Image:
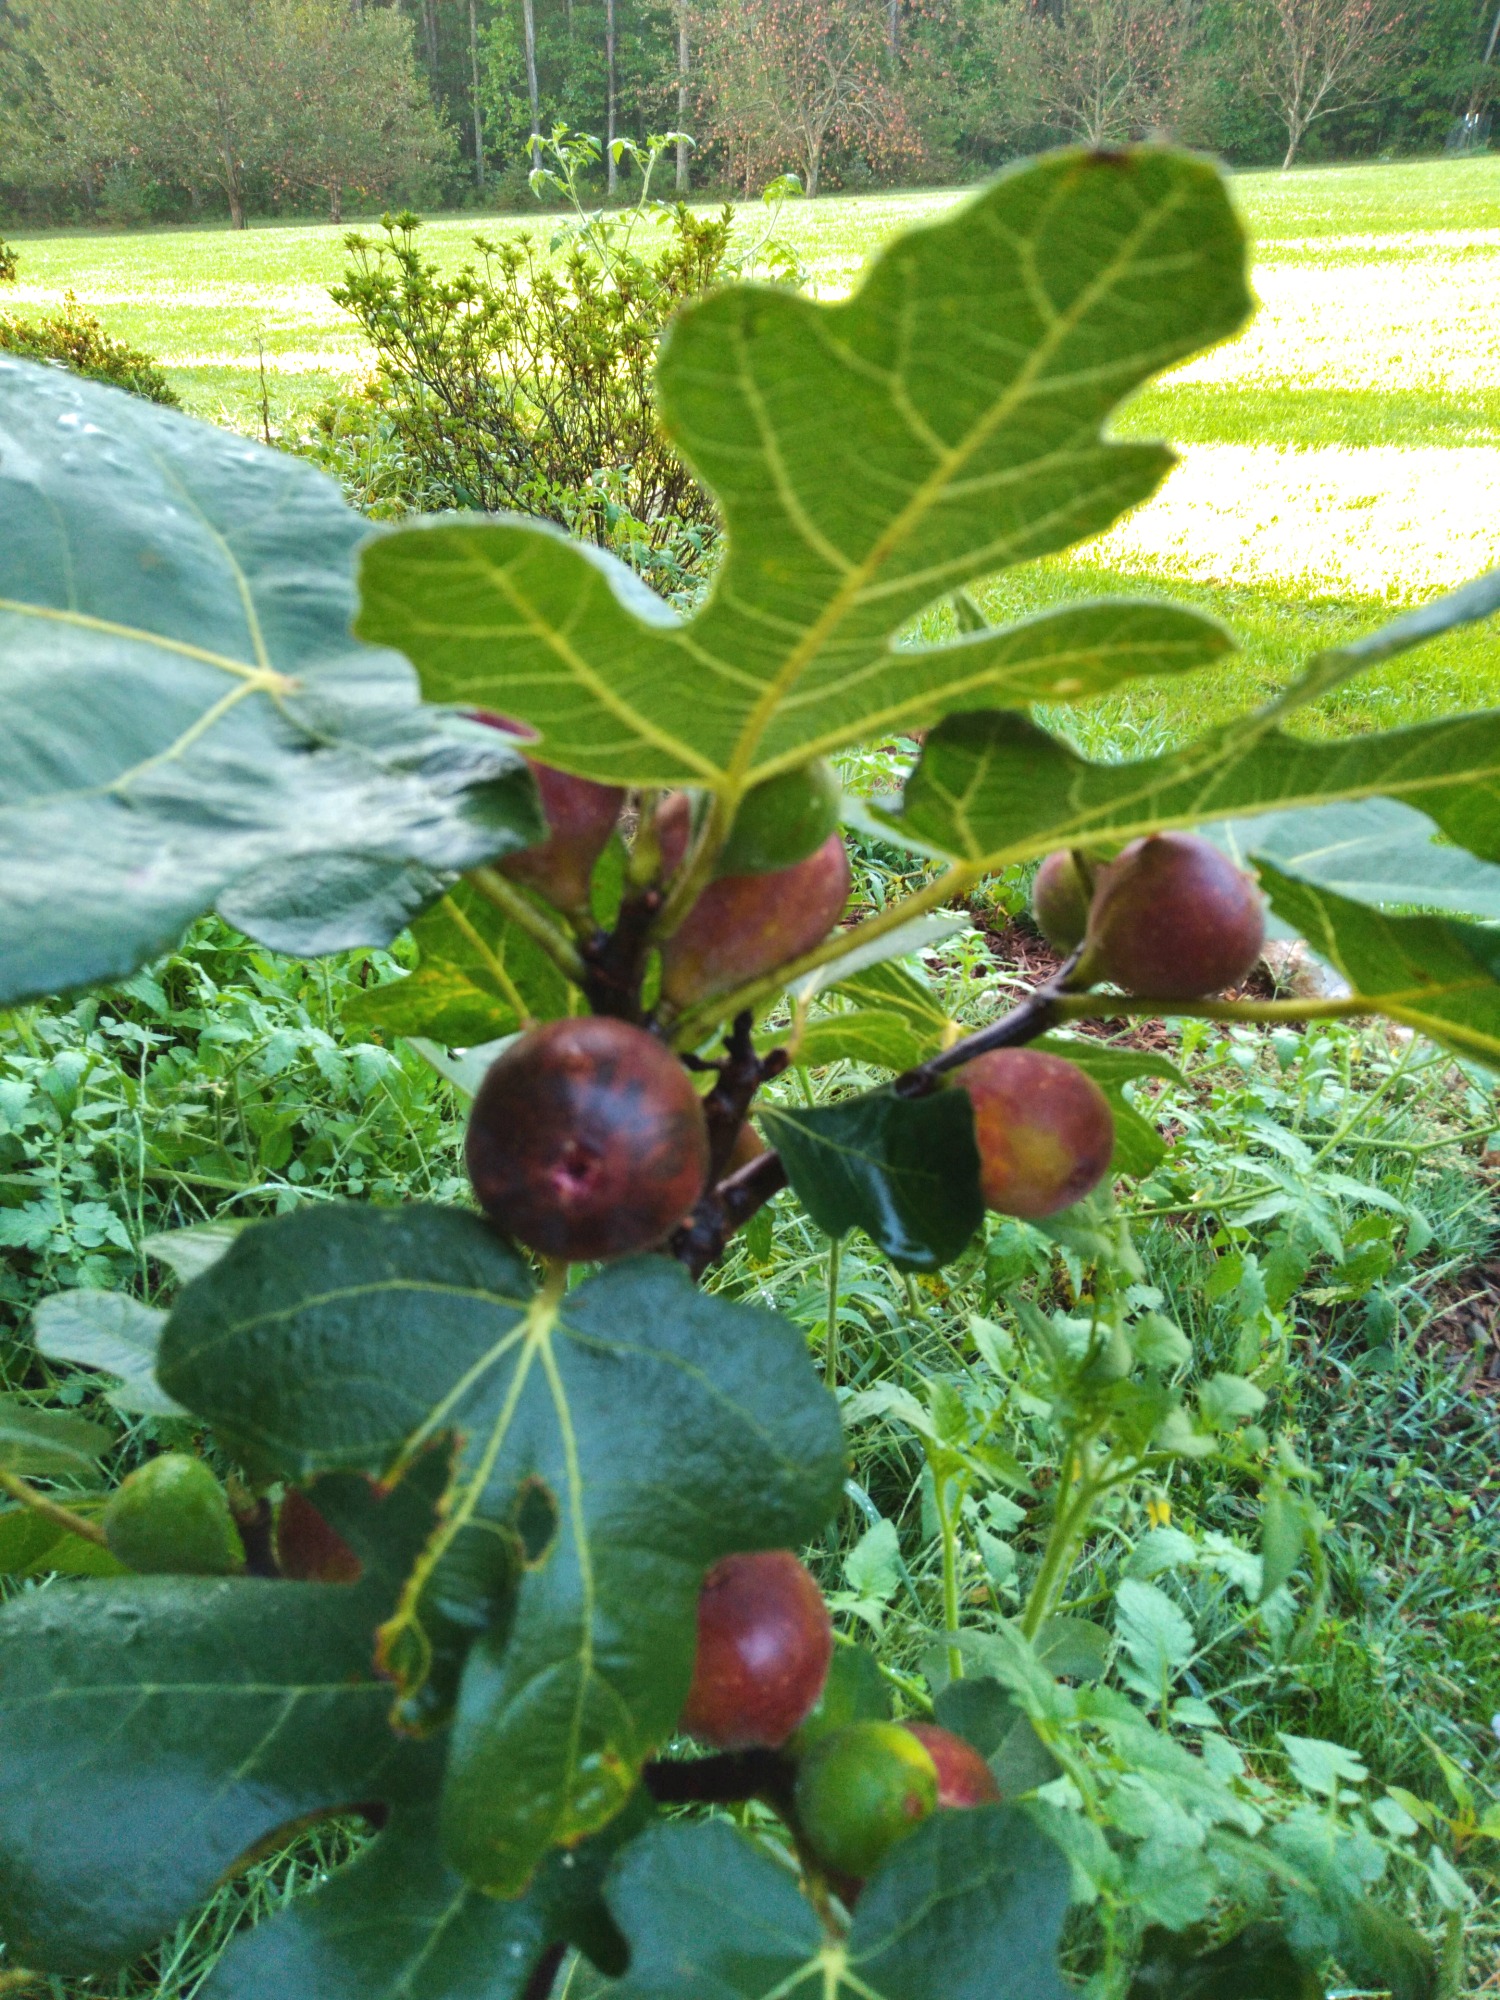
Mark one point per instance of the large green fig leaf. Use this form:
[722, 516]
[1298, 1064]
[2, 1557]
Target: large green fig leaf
[184, 716]
[157, 1728]
[973, 1899]
[870, 458]
[399, 1924]
[110, 1331]
[628, 1433]
[904, 1170]
[1434, 974]
[1370, 850]
[993, 788]
[480, 977]
[49, 1444]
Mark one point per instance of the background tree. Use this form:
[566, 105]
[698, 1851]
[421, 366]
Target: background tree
[1307, 59]
[787, 76]
[1099, 71]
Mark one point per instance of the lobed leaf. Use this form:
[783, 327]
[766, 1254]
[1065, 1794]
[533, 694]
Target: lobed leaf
[476, 977]
[1434, 974]
[981, 1893]
[870, 458]
[48, 1444]
[628, 1434]
[184, 717]
[158, 1728]
[113, 1332]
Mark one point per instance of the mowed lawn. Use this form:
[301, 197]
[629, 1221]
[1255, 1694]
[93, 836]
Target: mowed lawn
[1339, 461]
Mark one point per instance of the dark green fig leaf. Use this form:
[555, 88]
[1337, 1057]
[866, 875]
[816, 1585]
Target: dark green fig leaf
[157, 1729]
[1378, 1945]
[328, 902]
[870, 458]
[1257, 1965]
[183, 714]
[855, 1691]
[982, 1894]
[982, 1712]
[398, 1923]
[479, 977]
[660, 1426]
[905, 1170]
[1370, 850]
[1435, 974]
[46, 1444]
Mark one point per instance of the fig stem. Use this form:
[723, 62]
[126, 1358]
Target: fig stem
[614, 961]
[52, 1510]
[1038, 1012]
[729, 1777]
[726, 1204]
[519, 907]
[701, 1240]
[544, 1972]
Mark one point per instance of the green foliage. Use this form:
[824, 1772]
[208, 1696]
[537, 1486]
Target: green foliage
[8, 263]
[1085, 1529]
[75, 340]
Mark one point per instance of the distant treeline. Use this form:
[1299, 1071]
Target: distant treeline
[137, 110]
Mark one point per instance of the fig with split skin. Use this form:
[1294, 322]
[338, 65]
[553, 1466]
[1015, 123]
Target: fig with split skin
[744, 925]
[587, 1140]
[1173, 918]
[764, 1644]
[1044, 1131]
[170, 1517]
[580, 815]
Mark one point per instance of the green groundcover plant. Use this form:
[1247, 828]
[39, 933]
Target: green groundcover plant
[507, 1566]
[75, 339]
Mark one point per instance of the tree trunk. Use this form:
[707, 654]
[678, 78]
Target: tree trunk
[611, 170]
[682, 94]
[474, 85]
[528, 23]
[430, 37]
[336, 202]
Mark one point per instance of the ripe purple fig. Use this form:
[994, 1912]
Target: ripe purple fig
[1060, 901]
[964, 1779]
[1044, 1131]
[308, 1548]
[764, 1643]
[743, 925]
[587, 1139]
[1174, 919]
[581, 815]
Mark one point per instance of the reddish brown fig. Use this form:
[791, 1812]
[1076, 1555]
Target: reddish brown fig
[674, 828]
[307, 1549]
[964, 1779]
[587, 1140]
[1044, 1131]
[743, 925]
[764, 1643]
[581, 814]
[1174, 919]
[1060, 901]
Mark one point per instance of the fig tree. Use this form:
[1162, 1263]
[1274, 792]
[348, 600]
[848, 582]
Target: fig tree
[170, 1517]
[764, 1643]
[1044, 1131]
[782, 821]
[1060, 901]
[1174, 919]
[963, 1777]
[587, 1139]
[580, 814]
[743, 925]
[859, 1790]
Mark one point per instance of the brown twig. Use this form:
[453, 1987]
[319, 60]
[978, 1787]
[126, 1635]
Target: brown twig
[728, 1202]
[1034, 1016]
[614, 962]
[728, 1778]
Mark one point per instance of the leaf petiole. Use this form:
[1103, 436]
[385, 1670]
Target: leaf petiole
[51, 1510]
[552, 938]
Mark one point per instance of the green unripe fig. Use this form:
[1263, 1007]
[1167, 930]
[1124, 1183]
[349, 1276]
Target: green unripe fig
[1060, 901]
[170, 1517]
[1174, 919]
[1043, 1127]
[782, 821]
[859, 1790]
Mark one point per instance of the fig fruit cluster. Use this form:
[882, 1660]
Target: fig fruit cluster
[761, 1680]
[1170, 918]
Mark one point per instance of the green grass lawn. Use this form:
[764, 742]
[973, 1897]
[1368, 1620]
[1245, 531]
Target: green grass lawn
[1342, 456]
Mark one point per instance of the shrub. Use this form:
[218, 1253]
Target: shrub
[7, 263]
[74, 339]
